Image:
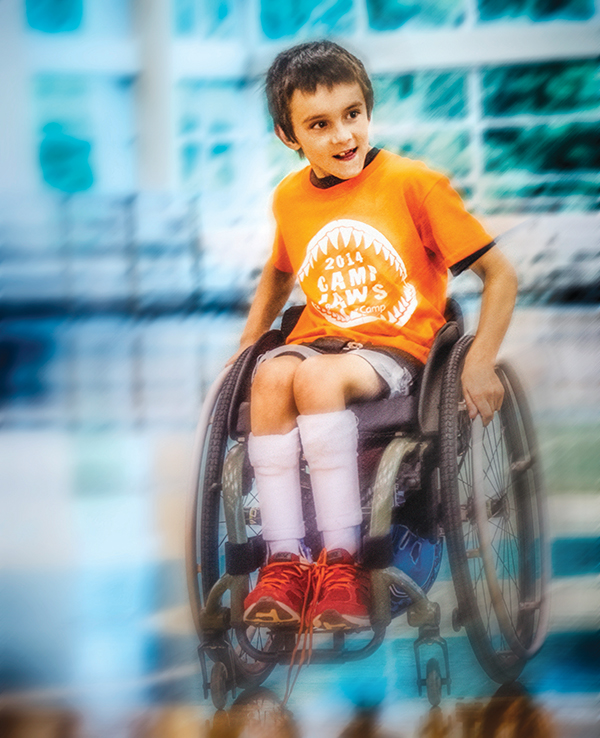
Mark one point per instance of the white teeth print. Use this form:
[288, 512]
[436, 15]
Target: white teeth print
[336, 251]
[346, 233]
[404, 309]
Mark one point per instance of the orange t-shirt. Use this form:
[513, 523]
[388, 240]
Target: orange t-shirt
[372, 253]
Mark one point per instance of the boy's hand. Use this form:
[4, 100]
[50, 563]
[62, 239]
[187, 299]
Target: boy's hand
[482, 390]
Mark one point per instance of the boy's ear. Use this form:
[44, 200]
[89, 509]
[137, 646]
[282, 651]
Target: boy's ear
[294, 145]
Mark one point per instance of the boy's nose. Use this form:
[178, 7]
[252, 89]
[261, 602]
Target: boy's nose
[341, 134]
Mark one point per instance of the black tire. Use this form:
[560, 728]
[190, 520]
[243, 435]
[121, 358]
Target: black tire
[433, 680]
[212, 530]
[212, 471]
[218, 685]
[497, 580]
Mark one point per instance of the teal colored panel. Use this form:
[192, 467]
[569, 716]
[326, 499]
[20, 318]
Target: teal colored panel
[575, 557]
[221, 166]
[386, 15]
[445, 95]
[205, 18]
[569, 196]
[184, 12]
[448, 151]
[285, 18]
[559, 87]
[190, 156]
[64, 160]
[54, 16]
[536, 10]
[216, 12]
[420, 96]
[389, 15]
[543, 148]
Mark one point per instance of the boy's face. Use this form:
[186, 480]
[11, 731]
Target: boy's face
[332, 129]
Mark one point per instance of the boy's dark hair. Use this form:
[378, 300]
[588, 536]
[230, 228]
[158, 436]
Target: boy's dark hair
[305, 66]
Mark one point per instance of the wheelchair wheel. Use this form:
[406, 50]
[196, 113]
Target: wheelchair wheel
[205, 541]
[494, 522]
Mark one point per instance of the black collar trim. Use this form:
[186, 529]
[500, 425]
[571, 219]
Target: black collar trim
[325, 183]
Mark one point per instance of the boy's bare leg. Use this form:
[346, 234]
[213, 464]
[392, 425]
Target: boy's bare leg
[286, 386]
[273, 408]
[329, 382]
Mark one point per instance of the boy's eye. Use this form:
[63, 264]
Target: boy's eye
[354, 113]
[319, 124]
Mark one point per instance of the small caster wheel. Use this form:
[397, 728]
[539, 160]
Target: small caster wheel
[457, 622]
[218, 685]
[434, 682]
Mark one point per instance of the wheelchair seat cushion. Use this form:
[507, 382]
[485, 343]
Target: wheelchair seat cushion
[386, 416]
[380, 417]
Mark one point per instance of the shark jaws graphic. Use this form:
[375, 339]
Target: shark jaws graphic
[352, 236]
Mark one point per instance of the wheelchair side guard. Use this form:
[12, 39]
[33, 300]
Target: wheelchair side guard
[384, 486]
[423, 613]
[378, 541]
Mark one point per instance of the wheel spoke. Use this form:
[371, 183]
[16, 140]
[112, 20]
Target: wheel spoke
[509, 493]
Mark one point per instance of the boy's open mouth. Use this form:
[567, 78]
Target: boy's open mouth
[346, 155]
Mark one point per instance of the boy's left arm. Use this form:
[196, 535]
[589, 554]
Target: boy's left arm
[482, 389]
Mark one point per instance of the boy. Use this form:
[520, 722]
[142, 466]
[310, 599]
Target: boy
[370, 237]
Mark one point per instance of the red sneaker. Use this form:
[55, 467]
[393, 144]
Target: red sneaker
[342, 592]
[282, 587]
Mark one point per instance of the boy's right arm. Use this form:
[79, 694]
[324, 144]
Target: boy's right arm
[272, 293]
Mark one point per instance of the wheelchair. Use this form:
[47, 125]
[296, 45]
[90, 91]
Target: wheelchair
[424, 465]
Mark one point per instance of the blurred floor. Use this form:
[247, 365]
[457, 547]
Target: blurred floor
[97, 425]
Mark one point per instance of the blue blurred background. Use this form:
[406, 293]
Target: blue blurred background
[136, 165]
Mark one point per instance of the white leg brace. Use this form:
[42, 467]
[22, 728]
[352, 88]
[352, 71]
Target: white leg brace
[275, 459]
[330, 442]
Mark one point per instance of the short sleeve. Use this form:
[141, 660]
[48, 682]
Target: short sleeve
[280, 256]
[455, 233]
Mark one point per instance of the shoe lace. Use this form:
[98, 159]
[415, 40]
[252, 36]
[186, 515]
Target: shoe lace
[320, 574]
[282, 573]
[342, 576]
[304, 642]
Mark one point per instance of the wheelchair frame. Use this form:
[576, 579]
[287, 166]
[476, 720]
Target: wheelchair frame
[429, 443]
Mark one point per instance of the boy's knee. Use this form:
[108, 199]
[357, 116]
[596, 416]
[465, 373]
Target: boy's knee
[311, 369]
[317, 373]
[275, 376]
[329, 382]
